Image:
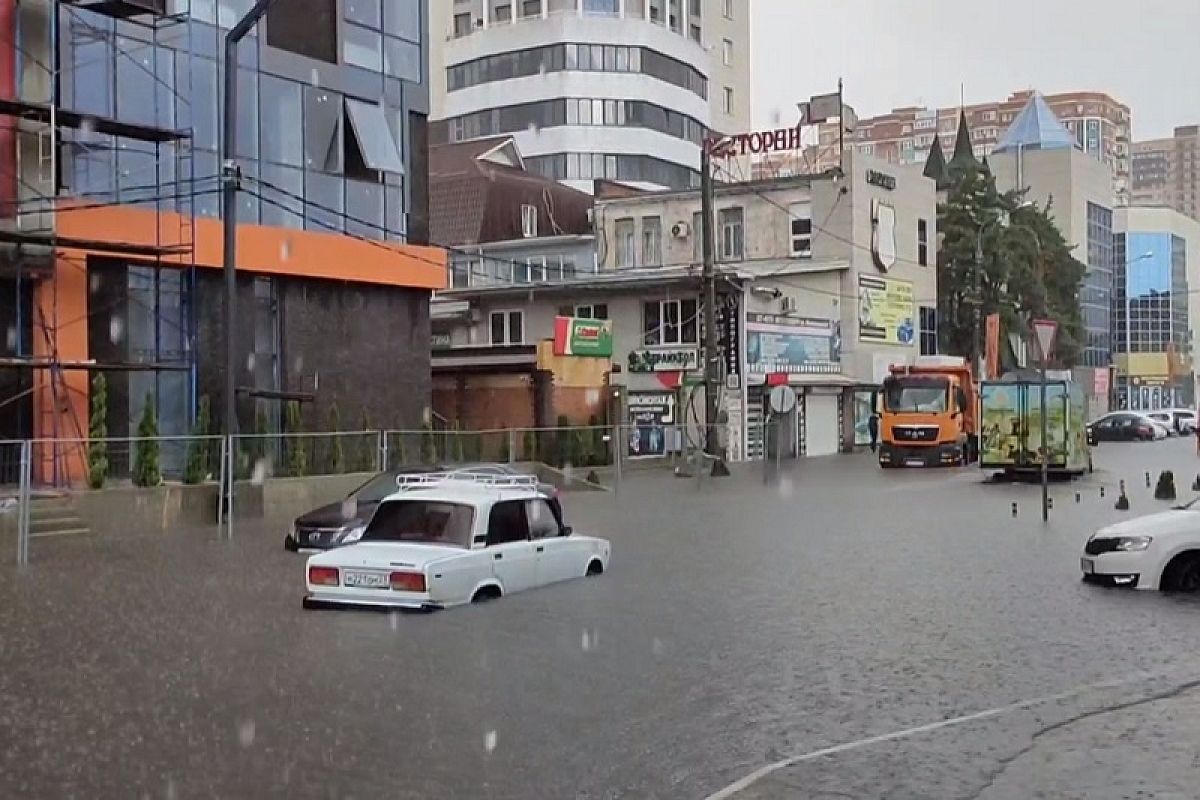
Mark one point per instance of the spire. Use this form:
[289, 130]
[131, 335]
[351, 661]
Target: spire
[964, 152]
[1036, 128]
[935, 165]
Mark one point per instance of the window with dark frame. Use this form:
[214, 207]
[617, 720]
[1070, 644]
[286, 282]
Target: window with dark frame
[801, 230]
[928, 331]
[507, 523]
[593, 311]
[922, 243]
[507, 328]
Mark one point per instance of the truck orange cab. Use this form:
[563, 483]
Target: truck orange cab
[929, 414]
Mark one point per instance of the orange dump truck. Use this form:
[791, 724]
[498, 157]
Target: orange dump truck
[930, 414]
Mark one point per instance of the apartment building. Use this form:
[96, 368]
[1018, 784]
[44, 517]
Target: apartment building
[1166, 172]
[1100, 126]
[620, 90]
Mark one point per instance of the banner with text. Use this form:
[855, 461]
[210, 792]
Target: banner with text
[886, 310]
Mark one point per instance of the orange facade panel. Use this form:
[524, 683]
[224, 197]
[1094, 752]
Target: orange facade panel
[262, 249]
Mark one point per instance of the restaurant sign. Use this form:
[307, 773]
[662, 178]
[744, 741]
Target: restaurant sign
[756, 142]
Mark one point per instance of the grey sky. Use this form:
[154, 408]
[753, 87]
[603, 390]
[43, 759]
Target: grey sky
[893, 53]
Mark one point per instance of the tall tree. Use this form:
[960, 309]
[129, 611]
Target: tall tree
[1001, 255]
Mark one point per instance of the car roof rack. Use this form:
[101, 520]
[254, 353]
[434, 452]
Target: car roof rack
[427, 479]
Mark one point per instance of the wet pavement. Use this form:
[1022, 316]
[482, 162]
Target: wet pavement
[848, 633]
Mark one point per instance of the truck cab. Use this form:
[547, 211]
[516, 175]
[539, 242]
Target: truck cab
[928, 416]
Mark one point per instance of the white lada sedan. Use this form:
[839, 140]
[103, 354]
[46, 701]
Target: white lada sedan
[445, 540]
[1159, 551]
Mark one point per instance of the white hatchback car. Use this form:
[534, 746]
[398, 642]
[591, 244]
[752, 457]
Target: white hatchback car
[448, 539]
[1158, 551]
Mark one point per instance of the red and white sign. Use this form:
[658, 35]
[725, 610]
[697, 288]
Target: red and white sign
[739, 144]
[1101, 383]
[1045, 330]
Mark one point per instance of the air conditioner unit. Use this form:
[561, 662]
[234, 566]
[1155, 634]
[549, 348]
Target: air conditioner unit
[681, 230]
[788, 304]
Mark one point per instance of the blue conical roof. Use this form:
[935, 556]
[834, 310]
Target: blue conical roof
[1035, 128]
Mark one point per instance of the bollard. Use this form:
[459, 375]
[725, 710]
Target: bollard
[1102, 491]
[1122, 503]
[1077, 497]
[1050, 502]
[1147, 480]
[1014, 509]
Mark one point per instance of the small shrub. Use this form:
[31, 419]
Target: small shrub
[196, 470]
[97, 456]
[145, 465]
[297, 452]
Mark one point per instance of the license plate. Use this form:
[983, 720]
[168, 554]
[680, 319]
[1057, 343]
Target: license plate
[365, 580]
[1088, 566]
[914, 462]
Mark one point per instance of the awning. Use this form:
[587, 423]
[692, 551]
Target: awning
[374, 136]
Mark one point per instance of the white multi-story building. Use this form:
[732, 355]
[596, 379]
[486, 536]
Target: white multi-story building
[622, 90]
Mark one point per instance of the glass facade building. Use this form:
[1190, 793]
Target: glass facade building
[1150, 315]
[332, 101]
[1095, 295]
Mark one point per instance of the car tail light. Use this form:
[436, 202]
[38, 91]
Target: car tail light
[1144, 429]
[407, 581]
[324, 576]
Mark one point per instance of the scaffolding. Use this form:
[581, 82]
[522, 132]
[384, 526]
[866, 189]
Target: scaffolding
[34, 252]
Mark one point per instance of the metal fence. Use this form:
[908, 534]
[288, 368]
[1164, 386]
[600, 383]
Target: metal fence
[601, 454]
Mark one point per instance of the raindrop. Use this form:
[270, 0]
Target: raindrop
[285, 250]
[246, 733]
[88, 126]
[776, 116]
[394, 618]
[489, 741]
[94, 282]
[350, 508]
[172, 791]
[568, 472]
[250, 362]
[591, 639]
[261, 471]
[10, 338]
[785, 487]
[592, 397]
[314, 78]
[298, 364]
[656, 646]
[427, 415]
[534, 129]
[116, 327]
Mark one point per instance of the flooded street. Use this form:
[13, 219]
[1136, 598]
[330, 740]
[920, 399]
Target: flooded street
[739, 627]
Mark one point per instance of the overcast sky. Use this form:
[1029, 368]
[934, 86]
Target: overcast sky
[891, 53]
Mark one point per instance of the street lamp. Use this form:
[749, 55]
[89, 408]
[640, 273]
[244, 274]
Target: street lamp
[1129, 330]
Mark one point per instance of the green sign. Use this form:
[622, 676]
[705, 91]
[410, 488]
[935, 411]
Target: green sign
[575, 336]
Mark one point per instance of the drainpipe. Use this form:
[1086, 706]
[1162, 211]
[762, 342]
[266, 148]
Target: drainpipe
[8, 91]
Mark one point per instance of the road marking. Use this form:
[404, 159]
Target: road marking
[744, 783]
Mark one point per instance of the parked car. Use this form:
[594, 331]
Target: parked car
[1124, 426]
[451, 539]
[1158, 551]
[1178, 421]
[343, 522]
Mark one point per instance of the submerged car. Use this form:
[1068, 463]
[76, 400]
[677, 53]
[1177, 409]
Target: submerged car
[1158, 551]
[343, 522]
[451, 539]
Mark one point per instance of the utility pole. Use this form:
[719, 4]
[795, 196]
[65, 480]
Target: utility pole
[711, 357]
[230, 180]
[977, 344]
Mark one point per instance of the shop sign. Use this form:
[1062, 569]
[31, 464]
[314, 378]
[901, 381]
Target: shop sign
[778, 344]
[756, 142]
[575, 336]
[664, 359]
[885, 310]
[728, 338]
[649, 418]
[439, 341]
[881, 179]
